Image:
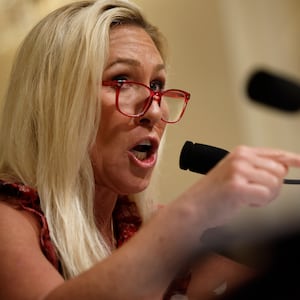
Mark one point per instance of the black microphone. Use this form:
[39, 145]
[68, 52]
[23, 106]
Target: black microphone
[201, 158]
[273, 90]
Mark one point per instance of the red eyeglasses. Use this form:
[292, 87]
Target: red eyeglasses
[133, 99]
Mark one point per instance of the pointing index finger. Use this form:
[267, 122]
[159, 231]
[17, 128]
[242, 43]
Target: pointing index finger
[287, 158]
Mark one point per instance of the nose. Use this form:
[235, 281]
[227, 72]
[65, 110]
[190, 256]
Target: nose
[154, 111]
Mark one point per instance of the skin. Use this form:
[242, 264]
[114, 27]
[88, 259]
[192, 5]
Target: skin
[143, 267]
[130, 48]
[117, 172]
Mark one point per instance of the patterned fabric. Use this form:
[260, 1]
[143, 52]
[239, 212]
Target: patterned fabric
[126, 219]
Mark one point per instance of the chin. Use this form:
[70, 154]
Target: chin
[135, 186]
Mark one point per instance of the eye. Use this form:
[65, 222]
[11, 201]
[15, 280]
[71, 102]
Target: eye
[156, 85]
[120, 78]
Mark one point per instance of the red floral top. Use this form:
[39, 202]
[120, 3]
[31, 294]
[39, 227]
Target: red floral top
[126, 219]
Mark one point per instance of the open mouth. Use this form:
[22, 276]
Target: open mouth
[143, 150]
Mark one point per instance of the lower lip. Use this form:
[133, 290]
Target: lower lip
[147, 163]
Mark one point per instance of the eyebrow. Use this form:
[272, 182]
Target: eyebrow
[132, 62]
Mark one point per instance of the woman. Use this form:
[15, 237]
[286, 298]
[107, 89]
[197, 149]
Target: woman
[82, 122]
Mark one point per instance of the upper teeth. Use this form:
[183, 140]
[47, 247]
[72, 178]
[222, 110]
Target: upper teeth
[145, 143]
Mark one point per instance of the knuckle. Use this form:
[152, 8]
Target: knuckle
[242, 150]
[236, 167]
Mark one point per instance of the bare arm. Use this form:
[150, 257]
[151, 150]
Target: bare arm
[144, 266]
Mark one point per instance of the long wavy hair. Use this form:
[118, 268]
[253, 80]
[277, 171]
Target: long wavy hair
[50, 118]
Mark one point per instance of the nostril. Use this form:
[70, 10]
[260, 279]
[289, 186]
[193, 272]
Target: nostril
[143, 120]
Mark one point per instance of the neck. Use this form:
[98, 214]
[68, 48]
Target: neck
[105, 201]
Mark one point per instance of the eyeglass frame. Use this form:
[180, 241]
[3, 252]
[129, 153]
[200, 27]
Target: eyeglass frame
[118, 84]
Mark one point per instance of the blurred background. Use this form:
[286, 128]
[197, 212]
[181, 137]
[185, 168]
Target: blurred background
[214, 46]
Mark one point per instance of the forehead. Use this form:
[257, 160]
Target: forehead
[133, 42]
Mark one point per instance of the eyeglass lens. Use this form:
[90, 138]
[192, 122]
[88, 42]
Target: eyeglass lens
[134, 99]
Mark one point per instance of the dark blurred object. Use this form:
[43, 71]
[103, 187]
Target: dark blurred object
[274, 91]
[279, 277]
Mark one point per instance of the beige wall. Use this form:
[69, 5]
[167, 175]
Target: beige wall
[265, 33]
[214, 44]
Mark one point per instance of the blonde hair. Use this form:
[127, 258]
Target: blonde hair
[52, 103]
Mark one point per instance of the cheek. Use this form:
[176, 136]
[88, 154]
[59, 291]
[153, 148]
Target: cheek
[109, 121]
[110, 136]
[105, 131]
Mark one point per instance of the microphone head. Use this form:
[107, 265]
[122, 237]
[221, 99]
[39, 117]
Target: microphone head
[274, 91]
[200, 158]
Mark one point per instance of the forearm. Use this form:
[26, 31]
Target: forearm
[144, 266]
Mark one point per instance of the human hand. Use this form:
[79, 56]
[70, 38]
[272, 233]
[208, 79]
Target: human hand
[247, 176]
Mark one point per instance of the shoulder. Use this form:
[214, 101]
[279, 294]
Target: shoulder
[17, 217]
[22, 261]
[14, 221]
